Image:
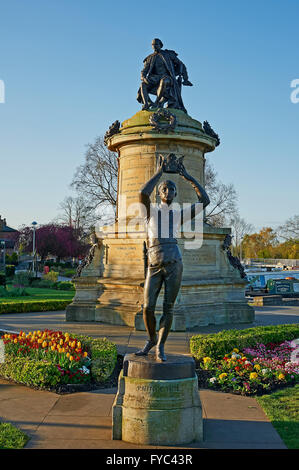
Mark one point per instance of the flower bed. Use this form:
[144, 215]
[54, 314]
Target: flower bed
[52, 358]
[253, 370]
[218, 344]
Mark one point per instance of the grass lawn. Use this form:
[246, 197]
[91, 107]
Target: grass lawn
[282, 408]
[11, 437]
[37, 293]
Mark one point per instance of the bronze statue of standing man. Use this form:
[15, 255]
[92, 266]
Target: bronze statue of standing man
[163, 75]
[164, 258]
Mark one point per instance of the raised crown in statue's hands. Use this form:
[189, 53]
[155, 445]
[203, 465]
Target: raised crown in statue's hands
[170, 163]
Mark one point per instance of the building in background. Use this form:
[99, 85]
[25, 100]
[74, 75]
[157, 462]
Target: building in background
[8, 235]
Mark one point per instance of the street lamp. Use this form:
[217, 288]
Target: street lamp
[33, 248]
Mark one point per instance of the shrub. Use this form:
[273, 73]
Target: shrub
[68, 273]
[51, 276]
[30, 372]
[10, 270]
[23, 278]
[12, 259]
[216, 345]
[2, 279]
[64, 285]
[45, 283]
[33, 306]
[16, 291]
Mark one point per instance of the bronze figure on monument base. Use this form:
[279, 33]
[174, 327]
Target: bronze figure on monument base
[163, 255]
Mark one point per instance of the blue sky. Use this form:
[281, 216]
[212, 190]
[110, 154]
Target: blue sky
[72, 67]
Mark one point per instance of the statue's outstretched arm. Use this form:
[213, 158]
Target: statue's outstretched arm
[147, 189]
[203, 198]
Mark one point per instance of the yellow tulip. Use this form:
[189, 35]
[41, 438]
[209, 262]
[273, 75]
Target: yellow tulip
[71, 358]
[67, 354]
[53, 348]
[15, 340]
[79, 344]
[44, 344]
[222, 376]
[85, 354]
[206, 360]
[61, 342]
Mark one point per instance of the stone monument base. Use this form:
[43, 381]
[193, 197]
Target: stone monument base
[157, 403]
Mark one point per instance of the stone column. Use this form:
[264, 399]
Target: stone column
[212, 291]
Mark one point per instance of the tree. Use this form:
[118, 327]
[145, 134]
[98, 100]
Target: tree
[290, 229]
[56, 240]
[96, 179]
[223, 198]
[77, 213]
[239, 228]
[260, 245]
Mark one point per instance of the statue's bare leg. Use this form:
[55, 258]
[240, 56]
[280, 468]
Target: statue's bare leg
[172, 283]
[152, 287]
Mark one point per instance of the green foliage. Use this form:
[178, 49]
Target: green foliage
[43, 283]
[103, 356]
[34, 306]
[216, 345]
[12, 437]
[13, 292]
[23, 278]
[64, 285]
[2, 279]
[30, 372]
[282, 409]
[10, 270]
[12, 259]
[51, 276]
[68, 272]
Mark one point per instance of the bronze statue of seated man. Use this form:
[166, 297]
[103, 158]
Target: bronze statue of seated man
[158, 77]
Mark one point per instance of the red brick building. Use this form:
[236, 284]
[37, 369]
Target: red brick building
[8, 235]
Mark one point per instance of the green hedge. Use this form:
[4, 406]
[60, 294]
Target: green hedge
[33, 306]
[218, 344]
[30, 372]
[103, 356]
[10, 270]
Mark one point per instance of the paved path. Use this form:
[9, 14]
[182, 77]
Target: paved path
[127, 339]
[83, 420]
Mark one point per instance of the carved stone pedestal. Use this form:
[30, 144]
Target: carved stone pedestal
[157, 403]
[111, 289]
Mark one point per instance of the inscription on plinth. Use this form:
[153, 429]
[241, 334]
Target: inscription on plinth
[157, 411]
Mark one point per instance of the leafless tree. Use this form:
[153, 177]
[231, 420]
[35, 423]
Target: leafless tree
[77, 213]
[96, 179]
[223, 198]
[96, 182]
[290, 229]
[240, 228]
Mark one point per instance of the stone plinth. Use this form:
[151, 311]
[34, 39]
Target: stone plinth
[157, 403]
